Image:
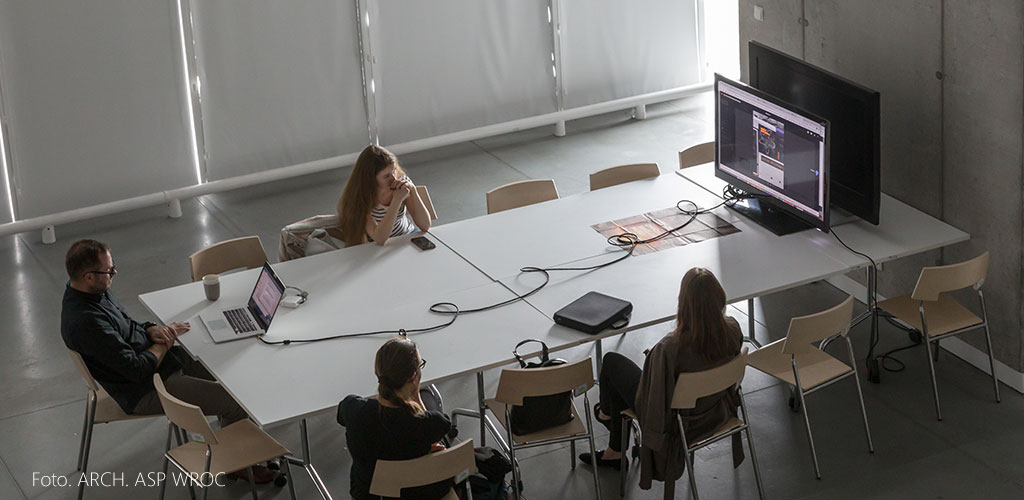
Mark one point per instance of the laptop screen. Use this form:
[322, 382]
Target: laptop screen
[266, 296]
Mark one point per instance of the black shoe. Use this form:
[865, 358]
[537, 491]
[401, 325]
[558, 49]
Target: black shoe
[601, 462]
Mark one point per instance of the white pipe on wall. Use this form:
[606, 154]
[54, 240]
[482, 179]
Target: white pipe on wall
[163, 197]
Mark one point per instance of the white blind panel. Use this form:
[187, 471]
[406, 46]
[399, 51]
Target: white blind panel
[450, 65]
[94, 93]
[613, 49]
[281, 83]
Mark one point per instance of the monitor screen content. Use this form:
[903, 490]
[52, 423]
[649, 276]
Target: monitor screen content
[767, 148]
[266, 297]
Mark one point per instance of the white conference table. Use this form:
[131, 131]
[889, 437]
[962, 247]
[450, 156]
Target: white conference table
[364, 288]
[557, 232]
[477, 263]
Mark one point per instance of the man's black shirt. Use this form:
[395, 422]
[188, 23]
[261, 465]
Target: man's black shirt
[113, 345]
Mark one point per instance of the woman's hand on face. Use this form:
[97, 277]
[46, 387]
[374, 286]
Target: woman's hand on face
[401, 193]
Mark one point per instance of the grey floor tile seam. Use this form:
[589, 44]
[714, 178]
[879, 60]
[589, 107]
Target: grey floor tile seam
[7, 470]
[37, 410]
[219, 215]
[496, 157]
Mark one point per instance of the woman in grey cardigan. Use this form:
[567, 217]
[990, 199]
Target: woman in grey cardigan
[702, 339]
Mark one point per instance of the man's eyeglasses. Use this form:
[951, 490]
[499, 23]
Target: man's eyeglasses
[111, 272]
[423, 363]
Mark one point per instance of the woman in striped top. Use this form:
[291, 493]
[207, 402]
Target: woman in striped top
[378, 200]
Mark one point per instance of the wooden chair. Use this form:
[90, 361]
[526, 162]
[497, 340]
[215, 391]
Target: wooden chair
[520, 194]
[246, 252]
[689, 388]
[697, 155]
[425, 197]
[807, 368]
[235, 447]
[937, 315]
[516, 384]
[457, 463]
[100, 408]
[622, 174]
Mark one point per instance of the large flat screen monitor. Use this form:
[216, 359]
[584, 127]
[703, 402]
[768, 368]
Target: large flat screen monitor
[771, 149]
[853, 113]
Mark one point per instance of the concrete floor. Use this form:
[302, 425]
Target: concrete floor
[974, 453]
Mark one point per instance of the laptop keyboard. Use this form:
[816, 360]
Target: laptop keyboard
[240, 321]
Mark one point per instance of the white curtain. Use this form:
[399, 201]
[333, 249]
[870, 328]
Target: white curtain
[94, 93]
[281, 83]
[613, 49]
[449, 65]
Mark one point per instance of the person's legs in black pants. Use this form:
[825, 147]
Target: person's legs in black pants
[619, 380]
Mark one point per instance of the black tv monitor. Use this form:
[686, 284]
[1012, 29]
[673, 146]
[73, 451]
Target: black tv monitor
[853, 112]
[779, 153]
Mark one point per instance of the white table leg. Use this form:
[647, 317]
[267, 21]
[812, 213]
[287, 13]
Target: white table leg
[307, 464]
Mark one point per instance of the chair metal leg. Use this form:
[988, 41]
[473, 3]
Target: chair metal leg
[750, 444]
[593, 449]
[482, 407]
[88, 446]
[623, 447]
[992, 362]
[288, 474]
[572, 455]
[860, 394]
[167, 448]
[85, 427]
[935, 353]
[807, 418]
[516, 479]
[931, 368]
[252, 484]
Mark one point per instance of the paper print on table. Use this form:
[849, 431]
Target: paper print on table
[651, 224]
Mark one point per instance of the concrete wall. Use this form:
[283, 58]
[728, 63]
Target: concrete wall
[953, 146]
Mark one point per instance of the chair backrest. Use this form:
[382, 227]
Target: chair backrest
[517, 383]
[83, 370]
[520, 194]
[390, 476]
[613, 176]
[425, 197]
[246, 252]
[935, 280]
[295, 236]
[804, 330]
[184, 415]
[697, 155]
[694, 385]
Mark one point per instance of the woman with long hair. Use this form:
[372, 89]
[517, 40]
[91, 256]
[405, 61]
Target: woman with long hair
[704, 337]
[394, 425]
[378, 200]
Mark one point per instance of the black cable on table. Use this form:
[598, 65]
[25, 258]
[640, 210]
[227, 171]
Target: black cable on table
[625, 240]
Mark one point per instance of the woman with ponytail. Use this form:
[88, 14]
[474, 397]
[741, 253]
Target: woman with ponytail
[394, 425]
[704, 337]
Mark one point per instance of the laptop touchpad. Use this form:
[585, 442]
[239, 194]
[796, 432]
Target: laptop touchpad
[218, 324]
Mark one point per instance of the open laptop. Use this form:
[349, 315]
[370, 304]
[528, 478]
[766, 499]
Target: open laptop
[251, 319]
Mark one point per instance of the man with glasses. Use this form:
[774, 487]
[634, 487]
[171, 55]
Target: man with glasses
[123, 354]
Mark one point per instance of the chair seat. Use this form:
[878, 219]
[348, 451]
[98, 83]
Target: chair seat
[573, 428]
[107, 410]
[816, 367]
[729, 425]
[241, 444]
[943, 316]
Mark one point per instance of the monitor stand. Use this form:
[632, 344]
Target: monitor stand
[771, 218]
